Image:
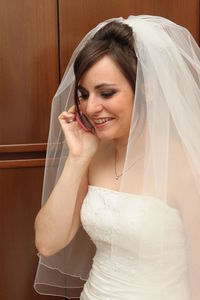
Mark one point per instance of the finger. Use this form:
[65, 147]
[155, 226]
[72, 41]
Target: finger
[72, 109]
[67, 117]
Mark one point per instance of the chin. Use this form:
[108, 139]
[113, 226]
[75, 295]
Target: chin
[107, 135]
[104, 137]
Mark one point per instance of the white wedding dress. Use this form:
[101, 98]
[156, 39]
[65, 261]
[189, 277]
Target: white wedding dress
[125, 276]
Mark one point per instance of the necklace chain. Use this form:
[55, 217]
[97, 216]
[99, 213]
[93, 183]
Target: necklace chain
[118, 176]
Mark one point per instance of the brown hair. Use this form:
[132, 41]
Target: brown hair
[114, 39]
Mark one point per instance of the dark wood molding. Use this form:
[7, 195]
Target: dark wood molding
[28, 153]
[22, 163]
[18, 148]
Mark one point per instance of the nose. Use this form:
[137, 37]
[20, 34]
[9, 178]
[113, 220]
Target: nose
[93, 106]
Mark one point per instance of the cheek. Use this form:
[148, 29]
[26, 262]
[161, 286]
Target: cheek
[82, 106]
[127, 107]
[127, 112]
[130, 104]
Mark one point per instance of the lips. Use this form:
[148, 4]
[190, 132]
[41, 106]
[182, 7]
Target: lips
[102, 123]
[102, 120]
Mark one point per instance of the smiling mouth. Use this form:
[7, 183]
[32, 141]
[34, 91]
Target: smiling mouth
[102, 121]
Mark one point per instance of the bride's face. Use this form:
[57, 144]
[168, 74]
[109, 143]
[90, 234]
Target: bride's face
[106, 97]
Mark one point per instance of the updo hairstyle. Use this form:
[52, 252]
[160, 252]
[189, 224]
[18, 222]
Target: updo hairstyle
[114, 39]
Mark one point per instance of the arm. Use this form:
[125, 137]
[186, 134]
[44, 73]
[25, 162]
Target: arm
[59, 218]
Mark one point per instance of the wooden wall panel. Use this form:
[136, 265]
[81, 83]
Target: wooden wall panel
[77, 17]
[29, 69]
[29, 72]
[20, 196]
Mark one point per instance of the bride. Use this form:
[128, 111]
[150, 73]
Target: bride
[121, 197]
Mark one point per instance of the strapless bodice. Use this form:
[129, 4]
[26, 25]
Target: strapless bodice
[126, 230]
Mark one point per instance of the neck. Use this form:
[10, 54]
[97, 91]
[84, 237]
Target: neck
[120, 149]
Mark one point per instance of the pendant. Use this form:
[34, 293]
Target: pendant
[117, 177]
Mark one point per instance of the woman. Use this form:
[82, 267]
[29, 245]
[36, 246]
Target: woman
[126, 170]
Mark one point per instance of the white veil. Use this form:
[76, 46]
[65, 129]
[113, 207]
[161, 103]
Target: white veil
[165, 128]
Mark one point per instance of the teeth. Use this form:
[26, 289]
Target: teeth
[101, 121]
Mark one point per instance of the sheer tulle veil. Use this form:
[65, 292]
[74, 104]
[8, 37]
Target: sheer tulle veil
[165, 129]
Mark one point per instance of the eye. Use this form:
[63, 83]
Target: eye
[82, 95]
[108, 94]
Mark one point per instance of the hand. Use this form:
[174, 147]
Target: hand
[81, 143]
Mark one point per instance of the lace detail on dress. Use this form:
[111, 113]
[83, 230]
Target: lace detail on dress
[125, 229]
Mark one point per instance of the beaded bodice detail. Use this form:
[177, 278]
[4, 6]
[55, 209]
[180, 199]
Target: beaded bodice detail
[127, 260]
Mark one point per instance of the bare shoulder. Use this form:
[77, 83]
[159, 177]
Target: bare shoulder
[188, 203]
[181, 185]
[189, 206]
[189, 199]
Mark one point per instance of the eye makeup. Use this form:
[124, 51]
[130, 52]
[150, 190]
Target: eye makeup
[82, 93]
[105, 91]
[108, 94]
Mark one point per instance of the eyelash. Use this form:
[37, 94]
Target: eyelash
[105, 95]
[82, 96]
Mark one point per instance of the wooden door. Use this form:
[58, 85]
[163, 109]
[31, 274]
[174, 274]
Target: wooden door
[37, 40]
[29, 72]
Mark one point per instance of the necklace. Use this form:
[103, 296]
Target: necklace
[118, 176]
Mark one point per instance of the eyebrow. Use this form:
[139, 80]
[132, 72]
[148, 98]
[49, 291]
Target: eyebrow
[104, 85]
[98, 86]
